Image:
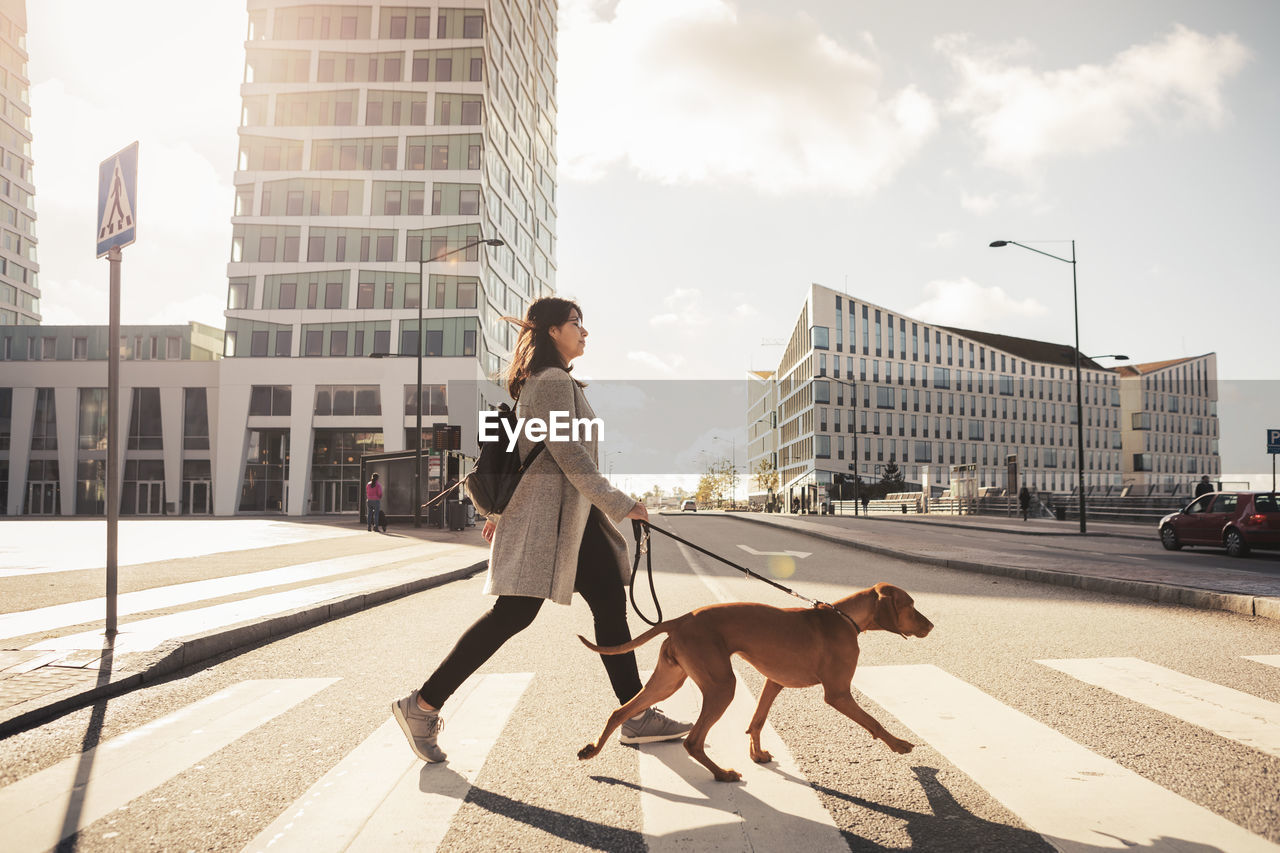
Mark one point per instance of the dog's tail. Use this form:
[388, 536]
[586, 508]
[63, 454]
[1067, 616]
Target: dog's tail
[660, 628]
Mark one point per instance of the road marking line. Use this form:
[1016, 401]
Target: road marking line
[1228, 713]
[800, 555]
[713, 582]
[56, 616]
[1077, 799]
[39, 811]
[1269, 660]
[772, 808]
[147, 634]
[382, 797]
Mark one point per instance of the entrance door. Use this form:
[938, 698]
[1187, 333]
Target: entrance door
[150, 497]
[328, 496]
[42, 497]
[197, 498]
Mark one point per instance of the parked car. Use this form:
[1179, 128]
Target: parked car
[689, 506]
[1237, 521]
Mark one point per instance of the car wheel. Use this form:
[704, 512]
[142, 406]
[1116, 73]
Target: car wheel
[1236, 546]
[1169, 538]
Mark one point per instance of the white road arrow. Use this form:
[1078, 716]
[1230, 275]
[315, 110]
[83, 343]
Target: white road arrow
[799, 555]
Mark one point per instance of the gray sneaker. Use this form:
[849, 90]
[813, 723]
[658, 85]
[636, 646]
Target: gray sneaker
[420, 727]
[653, 726]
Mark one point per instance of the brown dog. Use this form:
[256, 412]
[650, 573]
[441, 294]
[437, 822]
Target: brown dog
[791, 647]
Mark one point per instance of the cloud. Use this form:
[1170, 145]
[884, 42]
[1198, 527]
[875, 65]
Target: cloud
[1023, 116]
[684, 309]
[968, 304]
[944, 240]
[692, 92]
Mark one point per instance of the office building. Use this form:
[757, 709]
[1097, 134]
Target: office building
[19, 271]
[860, 385]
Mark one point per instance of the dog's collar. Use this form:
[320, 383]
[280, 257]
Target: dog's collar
[818, 605]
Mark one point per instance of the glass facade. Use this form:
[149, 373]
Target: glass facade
[266, 471]
[335, 468]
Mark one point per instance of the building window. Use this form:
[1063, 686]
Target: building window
[333, 294]
[288, 294]
[173, 347]
[338, 342]
[284, 342]
[269, 400]
[347, 400]
[195, 419]
[44, 433]
[258, 344]
[145, 427]
[93, 419]
[80, 348]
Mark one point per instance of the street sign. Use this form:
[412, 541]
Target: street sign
[118, 200]
[1273, 441]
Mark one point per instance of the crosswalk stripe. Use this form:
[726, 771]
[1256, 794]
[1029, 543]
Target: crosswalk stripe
[39, 811]
[56, 616]
[685, 809]
[382, 797]
[147, 634]
[1228, 713]
[1077, 799]
[1269, 660]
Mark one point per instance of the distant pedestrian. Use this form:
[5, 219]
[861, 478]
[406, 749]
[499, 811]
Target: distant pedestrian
[373, 495]
[1204, 487]
[866, 501]
[1024, 502]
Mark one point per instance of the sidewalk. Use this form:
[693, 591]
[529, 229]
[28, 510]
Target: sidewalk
[211, 597]
[1253, 593]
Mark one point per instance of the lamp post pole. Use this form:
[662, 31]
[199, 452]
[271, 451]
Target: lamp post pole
[1075, 307]
[422, 295]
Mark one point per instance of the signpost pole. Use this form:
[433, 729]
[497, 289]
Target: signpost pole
[114, 455]
[117, 228]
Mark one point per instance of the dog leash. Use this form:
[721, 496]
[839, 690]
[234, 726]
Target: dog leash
[641, 529]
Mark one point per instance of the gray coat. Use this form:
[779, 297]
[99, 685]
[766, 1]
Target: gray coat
[535, 546]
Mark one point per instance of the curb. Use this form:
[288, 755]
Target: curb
[200, 647]
[891, 517]
[1203, 599]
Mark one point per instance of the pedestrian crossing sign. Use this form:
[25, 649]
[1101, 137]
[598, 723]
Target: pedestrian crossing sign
[118, 200]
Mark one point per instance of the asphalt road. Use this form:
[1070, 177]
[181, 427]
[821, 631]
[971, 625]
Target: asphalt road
[530, 792]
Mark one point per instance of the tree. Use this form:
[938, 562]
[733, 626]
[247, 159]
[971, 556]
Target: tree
[891, 480]
[706, 490]
[766, 476]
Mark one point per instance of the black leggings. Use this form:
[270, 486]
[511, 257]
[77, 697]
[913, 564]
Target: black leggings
[597, 581]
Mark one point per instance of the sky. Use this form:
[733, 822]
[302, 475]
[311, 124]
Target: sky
[718, 156]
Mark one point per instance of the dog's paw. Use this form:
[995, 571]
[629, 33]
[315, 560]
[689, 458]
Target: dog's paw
[728, 776]
[588, 751]
[762, 756]
[901, 746]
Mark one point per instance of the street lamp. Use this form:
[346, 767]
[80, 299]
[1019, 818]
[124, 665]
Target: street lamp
[1075, 306]
[422, 295]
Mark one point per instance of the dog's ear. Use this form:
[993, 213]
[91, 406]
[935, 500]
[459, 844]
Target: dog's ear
[886, 607]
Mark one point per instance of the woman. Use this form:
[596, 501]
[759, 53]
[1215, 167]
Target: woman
[556, 536]
[373, 496]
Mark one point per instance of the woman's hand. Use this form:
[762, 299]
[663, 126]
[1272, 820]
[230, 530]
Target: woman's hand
[639, 512]
[489, 528]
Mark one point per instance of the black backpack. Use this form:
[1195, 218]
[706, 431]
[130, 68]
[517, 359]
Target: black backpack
[498, 470]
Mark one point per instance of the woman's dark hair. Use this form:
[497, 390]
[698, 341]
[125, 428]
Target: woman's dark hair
[534, 348]
[373, 479]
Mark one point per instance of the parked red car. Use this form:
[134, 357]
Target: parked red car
[1237, 521]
